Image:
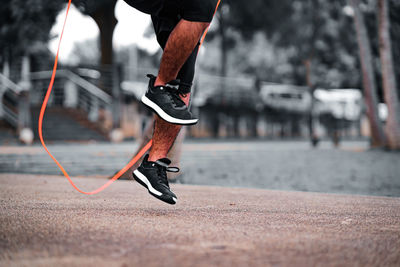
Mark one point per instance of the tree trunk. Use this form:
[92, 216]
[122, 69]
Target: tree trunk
[316, 26]
[311, 119]
[369, 83]
[223, 47]
[389, 81]
[106, 21]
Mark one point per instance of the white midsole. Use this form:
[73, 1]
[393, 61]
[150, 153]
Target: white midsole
[143, 178]
[164, 115]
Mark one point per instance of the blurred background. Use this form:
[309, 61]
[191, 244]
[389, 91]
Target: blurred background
[295, 95]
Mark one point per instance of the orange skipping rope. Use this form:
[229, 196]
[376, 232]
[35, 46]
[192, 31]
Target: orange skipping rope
[43, 109]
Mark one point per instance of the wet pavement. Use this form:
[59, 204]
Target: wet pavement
[278, 165]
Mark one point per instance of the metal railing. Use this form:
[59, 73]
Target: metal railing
[10, 94]
[70, 90]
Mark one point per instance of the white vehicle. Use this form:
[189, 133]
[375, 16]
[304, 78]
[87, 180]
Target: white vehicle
[341, 103]
[291, 98]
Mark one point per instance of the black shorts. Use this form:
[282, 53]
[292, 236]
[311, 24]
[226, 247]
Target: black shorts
[166, 14]
[191, 10]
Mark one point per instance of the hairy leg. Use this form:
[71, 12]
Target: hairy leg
[180, 45]
[185, 75]
[164, 135]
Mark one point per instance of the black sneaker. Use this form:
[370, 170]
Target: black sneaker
[165, 101]
[153, 176]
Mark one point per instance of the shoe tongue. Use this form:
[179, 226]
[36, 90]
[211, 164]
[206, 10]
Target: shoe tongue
[163, 162]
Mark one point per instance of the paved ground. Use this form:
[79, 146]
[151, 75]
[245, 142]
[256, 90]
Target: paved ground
[44, 222]
[281, 165]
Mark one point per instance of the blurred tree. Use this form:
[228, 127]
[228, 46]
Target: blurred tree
[102, 12]
[222, 16]
[223, 33]
[318, 35]
[388, 77]
[394, 17]
[369, 82]
[238, 15]
[314, 33]
[25, 26]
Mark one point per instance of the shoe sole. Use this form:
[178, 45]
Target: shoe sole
[164, 115]
[141, 179]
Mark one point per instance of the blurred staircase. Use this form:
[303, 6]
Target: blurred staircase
[66, 124]
[75, 109]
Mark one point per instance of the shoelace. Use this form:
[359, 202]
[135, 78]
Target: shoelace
[173, 93]
[162, 172]
[175, 96]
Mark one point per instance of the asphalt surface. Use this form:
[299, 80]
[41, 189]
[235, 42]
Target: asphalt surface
[44, 222]
[278, 165]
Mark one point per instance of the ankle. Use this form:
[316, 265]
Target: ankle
[159, 81]
[154, 158]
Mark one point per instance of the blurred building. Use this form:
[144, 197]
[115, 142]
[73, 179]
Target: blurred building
[238, 107]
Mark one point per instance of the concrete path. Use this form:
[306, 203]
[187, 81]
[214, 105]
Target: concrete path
[44, 222]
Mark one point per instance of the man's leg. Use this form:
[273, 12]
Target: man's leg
[180, 45]
[160, 98]
[165, 133]
[162, 146]
[194, 16]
